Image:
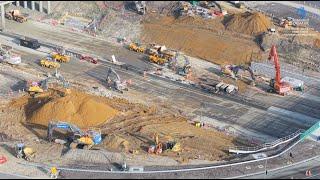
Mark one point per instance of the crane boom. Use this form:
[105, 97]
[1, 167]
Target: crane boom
[274, 55]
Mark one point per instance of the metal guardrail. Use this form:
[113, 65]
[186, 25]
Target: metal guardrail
[247, 150]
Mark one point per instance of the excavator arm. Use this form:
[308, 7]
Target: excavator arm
[64, 126]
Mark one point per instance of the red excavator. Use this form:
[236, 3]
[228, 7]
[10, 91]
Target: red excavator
[278, 86]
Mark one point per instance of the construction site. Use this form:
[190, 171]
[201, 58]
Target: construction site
[157, 89]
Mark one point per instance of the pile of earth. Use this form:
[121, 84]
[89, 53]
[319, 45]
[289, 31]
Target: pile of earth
[77, 108]
[248, 23]
[200, 38]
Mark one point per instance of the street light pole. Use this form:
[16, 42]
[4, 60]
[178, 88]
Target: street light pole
[265, 167]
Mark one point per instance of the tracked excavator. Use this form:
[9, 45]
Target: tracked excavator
[141, 7]
[277, 86]
[85, 139]
[114, 81]
[185, 69]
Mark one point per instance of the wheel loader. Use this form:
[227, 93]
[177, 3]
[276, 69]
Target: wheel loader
[15, 15]
[135, 47]
[157, 59]
[48, 63]
[24, 152]
[62, 58]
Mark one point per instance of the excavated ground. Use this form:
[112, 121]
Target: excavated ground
[127, 126]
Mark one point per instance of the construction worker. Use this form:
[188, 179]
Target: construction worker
[54, 173]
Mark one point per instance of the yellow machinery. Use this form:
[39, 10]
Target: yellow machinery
[34, 89]
[156, 59]
[49, 63]
[62, 58]
[24, 152]
[137, 48]
[15, 15]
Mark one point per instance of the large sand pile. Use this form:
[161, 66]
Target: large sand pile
[248, 23]
[78, 108]
[205, 39]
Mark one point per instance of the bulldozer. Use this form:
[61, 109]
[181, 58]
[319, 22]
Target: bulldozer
[136, 47]
[49, 63]
[24, 152]
[16, 16]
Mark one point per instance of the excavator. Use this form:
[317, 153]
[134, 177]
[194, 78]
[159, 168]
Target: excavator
[233, 71]
[86, 139]
[185, 69]
[61, 56]
[277, 86]
[114, 81]
[157, 147]
[141, 7]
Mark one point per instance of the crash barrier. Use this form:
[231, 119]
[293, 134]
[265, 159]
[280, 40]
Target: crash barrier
[266, 146]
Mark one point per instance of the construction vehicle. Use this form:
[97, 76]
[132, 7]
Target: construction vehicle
[114, 81]
[85, 139]
[7, 57]
[36, 88]
[277, 86]
[157, 59]
[136, 47]
[30, 43]
[157, 146]
[16, 16]
[88, 59]
[141, 7]
[236, 69]
[184, 69]
[24, 152]
[60, 55]
[287, 22]
[49, 63]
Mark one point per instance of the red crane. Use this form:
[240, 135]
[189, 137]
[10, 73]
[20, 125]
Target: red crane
[280, 87]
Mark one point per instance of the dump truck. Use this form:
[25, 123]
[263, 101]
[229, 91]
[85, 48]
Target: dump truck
[30, 43]
[16, 16]
[48, 63]
[136, 47]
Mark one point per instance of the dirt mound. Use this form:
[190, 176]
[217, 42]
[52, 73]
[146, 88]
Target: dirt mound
[78, 108]
[248, 23]
[317, 43]
[205, 39]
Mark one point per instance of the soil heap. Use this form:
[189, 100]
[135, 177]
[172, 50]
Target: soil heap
[201, 38]
[248, 23]
[78, 108]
